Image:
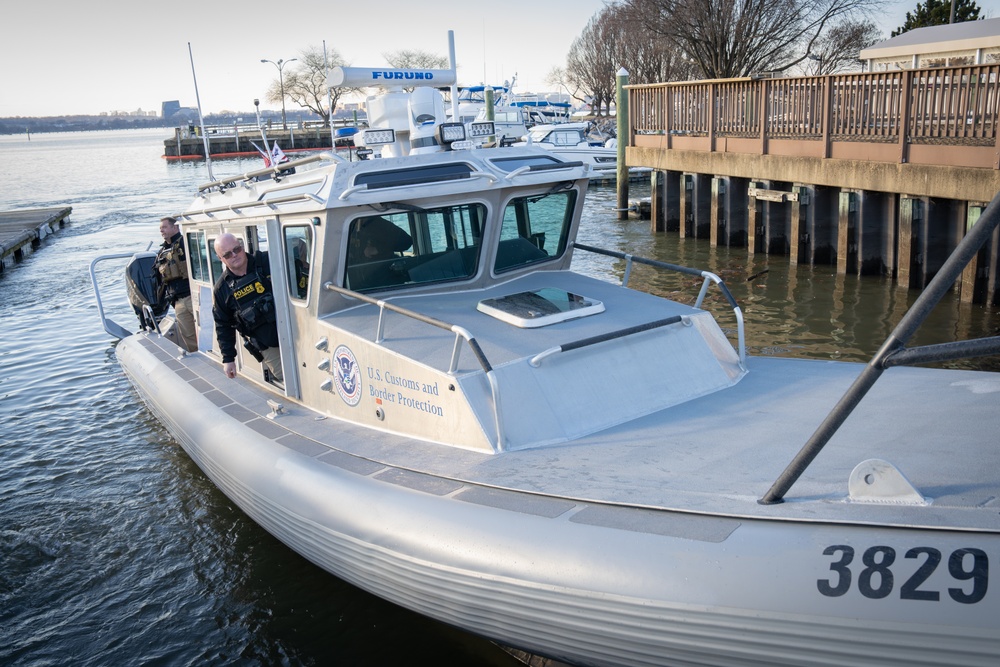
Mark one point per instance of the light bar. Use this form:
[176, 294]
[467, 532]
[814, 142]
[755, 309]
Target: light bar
[462, 145]
[450, 132]
[481, 129]
[378, 137]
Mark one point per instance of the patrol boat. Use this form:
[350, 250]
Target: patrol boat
[472, 430]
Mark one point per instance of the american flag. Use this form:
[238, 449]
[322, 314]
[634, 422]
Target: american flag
[263, 153]
[277, 155]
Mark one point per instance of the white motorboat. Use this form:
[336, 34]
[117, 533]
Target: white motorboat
[575, 141]
[474, 431]
[472, 100]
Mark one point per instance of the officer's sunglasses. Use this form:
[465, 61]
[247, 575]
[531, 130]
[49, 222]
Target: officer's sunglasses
[232, 253]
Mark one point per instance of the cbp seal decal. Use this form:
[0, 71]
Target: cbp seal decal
[348, 375]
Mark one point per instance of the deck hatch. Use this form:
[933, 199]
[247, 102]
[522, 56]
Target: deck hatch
[540, 307]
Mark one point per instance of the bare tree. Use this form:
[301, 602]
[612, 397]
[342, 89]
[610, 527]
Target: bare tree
[837, 49]
[408, 59]
[735, 38]
[590, 65]
[647, 57]
[306, 84]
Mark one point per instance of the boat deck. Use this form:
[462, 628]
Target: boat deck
[503, 343]
[673, 461]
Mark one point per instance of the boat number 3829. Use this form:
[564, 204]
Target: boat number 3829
[968, 567]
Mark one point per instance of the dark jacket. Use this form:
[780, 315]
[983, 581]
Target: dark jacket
[245, 304]
[170, 268]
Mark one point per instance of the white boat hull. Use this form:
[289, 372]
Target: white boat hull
[662, 587]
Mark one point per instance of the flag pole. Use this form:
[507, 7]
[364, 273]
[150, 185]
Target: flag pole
[263, 134]
[201, 118]
[329, 99]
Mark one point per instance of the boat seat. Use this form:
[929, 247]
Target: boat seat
[515, 252]
[380, 273]
[445, 266]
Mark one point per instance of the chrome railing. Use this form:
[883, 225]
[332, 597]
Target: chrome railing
[461, 334]
[708, 279]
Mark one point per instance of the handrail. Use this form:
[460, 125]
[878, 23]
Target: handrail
[935, 116]
[460, 334]
[894, 353]
[284, 166]
[593, 340]
[237, 207]
[707, 276]
[110, 326]
[528, 168]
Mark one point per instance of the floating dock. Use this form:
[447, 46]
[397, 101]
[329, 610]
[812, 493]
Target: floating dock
[22, 231]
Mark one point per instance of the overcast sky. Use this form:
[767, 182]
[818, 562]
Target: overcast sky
[106, 55]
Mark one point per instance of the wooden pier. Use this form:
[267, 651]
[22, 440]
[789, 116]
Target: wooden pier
[22, 231]
[878, 173]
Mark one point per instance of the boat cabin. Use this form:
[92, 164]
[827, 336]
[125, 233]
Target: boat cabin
[430, 294]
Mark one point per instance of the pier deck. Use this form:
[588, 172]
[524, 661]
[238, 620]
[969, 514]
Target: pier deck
[22, 230]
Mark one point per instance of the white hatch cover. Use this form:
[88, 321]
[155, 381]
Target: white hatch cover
[540, 307]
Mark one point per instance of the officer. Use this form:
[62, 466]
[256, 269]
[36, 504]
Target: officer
[171, 270]
[243, 301]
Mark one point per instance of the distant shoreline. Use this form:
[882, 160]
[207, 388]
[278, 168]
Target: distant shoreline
[84, 123]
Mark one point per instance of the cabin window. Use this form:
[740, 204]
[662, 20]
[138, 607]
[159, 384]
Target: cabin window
[216, 263]
[298, 259]
[534, 229]
[414, 247]
[395, 178]
[199, 255]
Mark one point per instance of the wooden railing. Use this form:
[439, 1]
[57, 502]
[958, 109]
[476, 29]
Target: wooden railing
[945, 116]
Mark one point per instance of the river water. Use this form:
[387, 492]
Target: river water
[115, 548]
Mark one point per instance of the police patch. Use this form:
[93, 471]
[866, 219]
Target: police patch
[348, 375]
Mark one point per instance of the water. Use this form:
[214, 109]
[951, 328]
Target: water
[115, 549]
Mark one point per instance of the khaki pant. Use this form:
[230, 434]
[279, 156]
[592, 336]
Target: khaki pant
[184, 318]
[272, 359]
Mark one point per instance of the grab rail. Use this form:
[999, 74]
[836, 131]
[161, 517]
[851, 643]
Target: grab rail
[593, 340]
[110, 326]
[460, 334]
[894, 353]
[707, 276]
[275, 170]
[532, 168]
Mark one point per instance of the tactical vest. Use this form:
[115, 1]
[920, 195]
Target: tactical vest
[254, 307]
[170, 263]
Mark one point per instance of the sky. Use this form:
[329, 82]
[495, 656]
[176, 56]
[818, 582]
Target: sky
[93, 57]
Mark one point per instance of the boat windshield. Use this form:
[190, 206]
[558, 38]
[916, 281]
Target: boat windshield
[534, 229]
[556, 137]
[414, 247]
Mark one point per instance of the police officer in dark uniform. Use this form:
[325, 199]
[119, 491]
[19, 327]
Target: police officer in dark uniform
[243, 301]
[172, 278]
